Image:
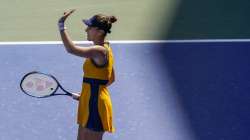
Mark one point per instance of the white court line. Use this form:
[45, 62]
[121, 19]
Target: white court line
[128, 41]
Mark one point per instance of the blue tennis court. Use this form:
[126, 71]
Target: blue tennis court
[170, 90]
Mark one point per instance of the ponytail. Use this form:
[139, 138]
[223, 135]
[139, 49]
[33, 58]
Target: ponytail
[112, 19]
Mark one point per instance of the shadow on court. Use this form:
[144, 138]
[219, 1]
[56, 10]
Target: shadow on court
[212, 82]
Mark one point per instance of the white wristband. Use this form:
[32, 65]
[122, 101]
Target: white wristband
[61, 26]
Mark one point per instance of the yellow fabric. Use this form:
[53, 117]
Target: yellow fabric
[104, 101]
[91, 71]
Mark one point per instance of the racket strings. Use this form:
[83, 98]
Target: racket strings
[39, 85]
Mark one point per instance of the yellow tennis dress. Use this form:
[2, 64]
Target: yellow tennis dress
[95, 107]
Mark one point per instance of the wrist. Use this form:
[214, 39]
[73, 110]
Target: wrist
[61, 26]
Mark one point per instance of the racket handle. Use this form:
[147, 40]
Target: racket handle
[76, 96]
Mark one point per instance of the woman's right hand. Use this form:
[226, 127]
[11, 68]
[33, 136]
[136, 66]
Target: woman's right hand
[65, 16]
[61, 21]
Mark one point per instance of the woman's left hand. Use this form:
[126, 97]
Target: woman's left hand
[76, 96]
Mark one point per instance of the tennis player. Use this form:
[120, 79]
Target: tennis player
[95, 107]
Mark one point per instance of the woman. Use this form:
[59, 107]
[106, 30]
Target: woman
[95, 108]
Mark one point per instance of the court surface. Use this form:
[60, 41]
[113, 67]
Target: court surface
[163, 91]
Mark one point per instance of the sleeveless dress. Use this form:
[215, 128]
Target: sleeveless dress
[95, 107]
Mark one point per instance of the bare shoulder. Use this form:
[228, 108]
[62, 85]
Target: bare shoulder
[100, 49]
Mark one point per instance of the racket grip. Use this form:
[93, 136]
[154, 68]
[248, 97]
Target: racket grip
[76, 96]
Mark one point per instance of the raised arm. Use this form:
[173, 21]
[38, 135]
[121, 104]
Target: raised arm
[87, 52]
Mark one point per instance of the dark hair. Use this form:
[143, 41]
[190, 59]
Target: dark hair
[105, 22]
[112, 19]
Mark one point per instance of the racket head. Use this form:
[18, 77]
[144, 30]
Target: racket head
[39, 85]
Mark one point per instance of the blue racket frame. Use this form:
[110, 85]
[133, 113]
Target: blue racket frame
[50, 95]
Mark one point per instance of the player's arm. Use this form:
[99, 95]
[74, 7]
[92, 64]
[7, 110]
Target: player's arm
[88, 52]
[112, 78]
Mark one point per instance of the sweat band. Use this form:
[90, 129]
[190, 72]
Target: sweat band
[61, 26]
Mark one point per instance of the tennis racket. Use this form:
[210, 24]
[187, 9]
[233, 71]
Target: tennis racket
[41, 85]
